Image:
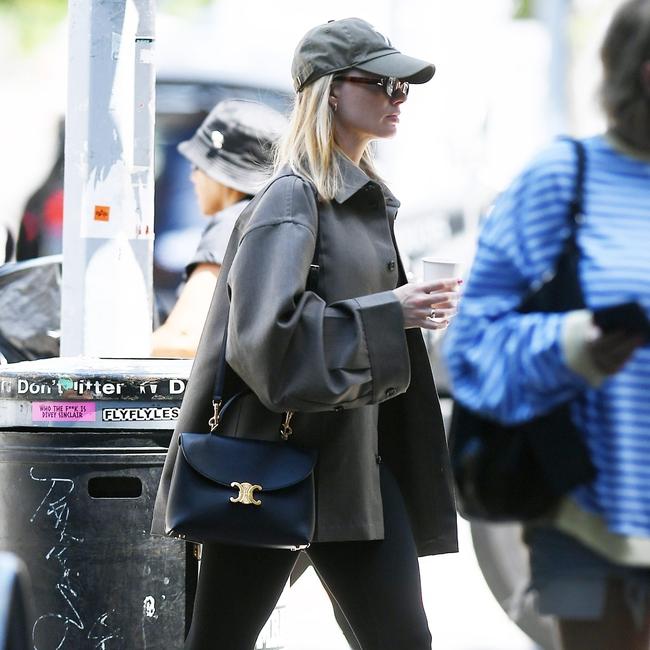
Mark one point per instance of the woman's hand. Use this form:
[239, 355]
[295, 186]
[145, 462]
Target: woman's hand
[610, 352]
[429, 304]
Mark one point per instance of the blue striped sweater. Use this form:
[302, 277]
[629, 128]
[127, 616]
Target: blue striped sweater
[511, 365]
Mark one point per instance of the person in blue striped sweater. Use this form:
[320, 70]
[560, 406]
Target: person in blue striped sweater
[590, 560]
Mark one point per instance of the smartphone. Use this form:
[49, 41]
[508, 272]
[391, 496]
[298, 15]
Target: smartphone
[626, 317]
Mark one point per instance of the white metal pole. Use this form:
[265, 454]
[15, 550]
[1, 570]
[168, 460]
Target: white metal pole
[108, 188]
[555, 16]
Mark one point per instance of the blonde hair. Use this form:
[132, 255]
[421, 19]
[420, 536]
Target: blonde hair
[308, 145]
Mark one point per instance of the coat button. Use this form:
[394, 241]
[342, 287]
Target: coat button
[390, 392]
[391, 265]
[378, 459]
[338, 409]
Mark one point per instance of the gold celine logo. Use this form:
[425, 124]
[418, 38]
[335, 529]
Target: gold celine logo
[246, 494]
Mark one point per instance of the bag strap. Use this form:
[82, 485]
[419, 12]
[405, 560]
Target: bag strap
[577, 202]
[562, 290]
[217, 392]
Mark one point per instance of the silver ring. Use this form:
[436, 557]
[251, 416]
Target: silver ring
[432, 315]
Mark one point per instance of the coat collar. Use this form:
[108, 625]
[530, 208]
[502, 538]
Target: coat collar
[355, 179]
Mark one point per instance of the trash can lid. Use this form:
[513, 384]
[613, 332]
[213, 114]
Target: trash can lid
[92, 393]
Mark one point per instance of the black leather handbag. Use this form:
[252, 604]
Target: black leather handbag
[519, 473]
[241, 491]
[238, 490]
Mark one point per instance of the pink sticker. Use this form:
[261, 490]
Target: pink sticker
[63, 411]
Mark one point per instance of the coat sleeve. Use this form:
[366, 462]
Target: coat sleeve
[508, 365]
[295, 351]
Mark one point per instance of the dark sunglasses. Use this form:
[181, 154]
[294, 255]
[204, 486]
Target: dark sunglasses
[392, 86]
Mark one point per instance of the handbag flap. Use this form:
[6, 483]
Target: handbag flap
[224, 460]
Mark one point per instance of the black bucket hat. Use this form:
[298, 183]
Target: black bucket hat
[234, 143]
[353, 43]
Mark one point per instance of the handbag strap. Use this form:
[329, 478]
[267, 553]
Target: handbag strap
[217, 392]
[562, 290]
[576, 205]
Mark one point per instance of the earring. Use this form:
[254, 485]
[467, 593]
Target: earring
[335, 106]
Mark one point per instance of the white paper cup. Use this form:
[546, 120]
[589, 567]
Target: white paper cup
[435, 268]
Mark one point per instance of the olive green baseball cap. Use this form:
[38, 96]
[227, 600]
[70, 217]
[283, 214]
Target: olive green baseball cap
[353, 43]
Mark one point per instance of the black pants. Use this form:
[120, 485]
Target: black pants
[376, 583]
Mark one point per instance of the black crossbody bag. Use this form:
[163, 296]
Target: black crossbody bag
[239, 490]
[520, 472]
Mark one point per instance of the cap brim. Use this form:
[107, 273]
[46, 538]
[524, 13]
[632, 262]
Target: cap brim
[244, 180]
[396, 64]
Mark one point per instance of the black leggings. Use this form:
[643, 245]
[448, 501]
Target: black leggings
[376, 583]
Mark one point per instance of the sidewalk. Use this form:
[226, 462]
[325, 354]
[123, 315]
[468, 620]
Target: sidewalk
[463, 614]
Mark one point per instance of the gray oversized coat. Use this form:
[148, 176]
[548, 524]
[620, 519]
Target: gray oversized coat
[360, 385]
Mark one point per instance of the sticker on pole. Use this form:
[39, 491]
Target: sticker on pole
[63, 412]
[102, 212]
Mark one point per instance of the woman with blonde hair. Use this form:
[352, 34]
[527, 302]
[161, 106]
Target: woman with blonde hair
[322, 324]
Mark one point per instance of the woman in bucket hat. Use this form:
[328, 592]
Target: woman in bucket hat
[346, 355]
[231, 156]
